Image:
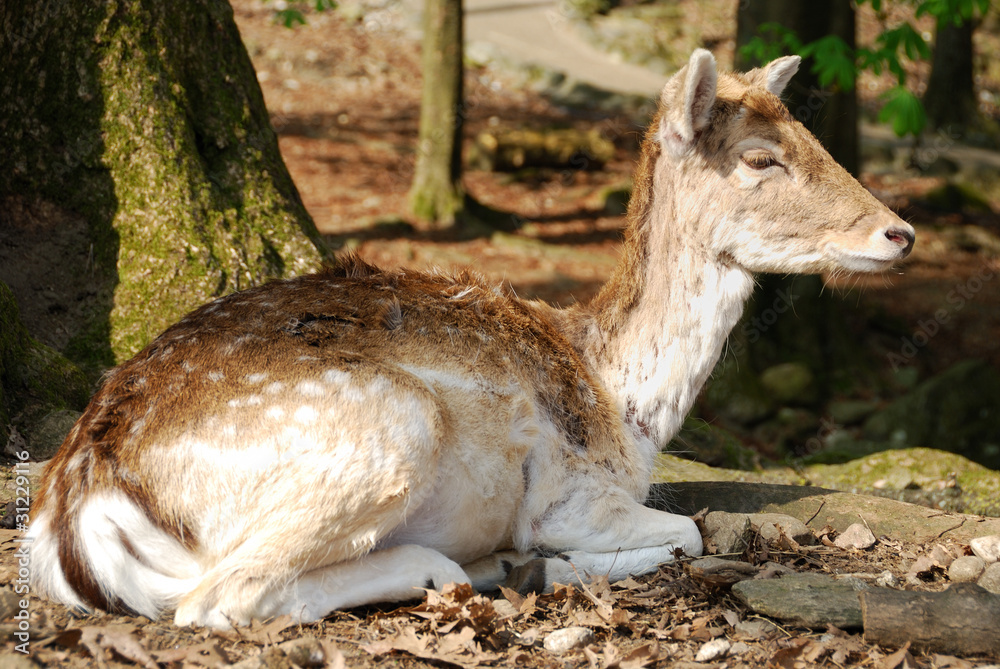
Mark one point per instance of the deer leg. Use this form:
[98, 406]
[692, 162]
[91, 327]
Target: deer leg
[579, 567]
[390, 575]
[490, 572]
[603, 533]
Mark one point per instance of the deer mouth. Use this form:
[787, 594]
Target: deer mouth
[879, 251]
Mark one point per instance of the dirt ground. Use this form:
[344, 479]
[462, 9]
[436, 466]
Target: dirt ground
[344, 98]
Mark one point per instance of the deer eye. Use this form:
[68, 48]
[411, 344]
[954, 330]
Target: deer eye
[759, 159]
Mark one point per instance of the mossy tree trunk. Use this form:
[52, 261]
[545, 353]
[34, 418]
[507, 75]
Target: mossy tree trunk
[144, 118]
[436, 194]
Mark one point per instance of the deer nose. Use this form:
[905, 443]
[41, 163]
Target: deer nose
[903, 236]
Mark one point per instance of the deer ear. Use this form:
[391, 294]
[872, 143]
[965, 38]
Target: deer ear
[775, 75]
[687, 101]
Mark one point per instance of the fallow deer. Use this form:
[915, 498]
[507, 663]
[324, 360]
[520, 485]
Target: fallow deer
[350, 436]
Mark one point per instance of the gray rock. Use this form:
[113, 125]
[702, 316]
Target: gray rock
[719, 571]
[730, 532]
[958, 409]
[739, 648]
[887, 580]
[857, 536]
[966, 569]
[988, 548]
[790, 382]
[568, 638]
[812, 600]
[990, 580]
[756, 629]
[769, 523]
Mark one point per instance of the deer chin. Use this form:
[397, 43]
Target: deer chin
[883, 248]
[854, 260]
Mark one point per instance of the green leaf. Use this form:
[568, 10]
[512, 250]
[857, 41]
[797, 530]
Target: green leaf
[954, 11]
[904, 111]
[290, 17]
[905, 37]
[833, 61]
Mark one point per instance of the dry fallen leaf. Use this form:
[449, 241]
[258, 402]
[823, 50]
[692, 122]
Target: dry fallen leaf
[259, 633]
[207, 654]
[901, 659]
[459, 648]
[120, 639]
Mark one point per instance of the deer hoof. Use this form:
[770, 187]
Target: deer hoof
[528, 577]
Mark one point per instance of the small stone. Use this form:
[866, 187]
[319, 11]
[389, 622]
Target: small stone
[568, 638]
[857, 536]
[771, 525]
[739, 648]
[813, 600]
[990, 580]
[712, 650]
[756, 629]
[9, 604]
[966, 569]
[717, 571]
[887, 580]
[730, 533]
[923, 565]
[987, 547]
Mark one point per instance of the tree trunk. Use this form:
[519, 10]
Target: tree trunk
[140, 122]
[436, 194]
[962, 620]
[830, 114]
[950, 99]
[35, 381]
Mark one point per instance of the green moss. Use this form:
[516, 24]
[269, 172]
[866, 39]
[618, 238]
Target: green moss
[924, 475]
[171, 158]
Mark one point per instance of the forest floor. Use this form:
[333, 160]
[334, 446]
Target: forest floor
[344, 99]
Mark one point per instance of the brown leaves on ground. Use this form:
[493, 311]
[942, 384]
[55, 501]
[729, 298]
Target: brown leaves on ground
[669, 618]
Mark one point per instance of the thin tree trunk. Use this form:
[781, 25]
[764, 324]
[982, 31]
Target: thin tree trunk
[142, 121]
[436, 194]
[950, 99]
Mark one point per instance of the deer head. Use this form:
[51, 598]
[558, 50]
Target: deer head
[754, 187]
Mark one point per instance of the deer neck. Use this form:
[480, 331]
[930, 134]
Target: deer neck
[658, 327]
